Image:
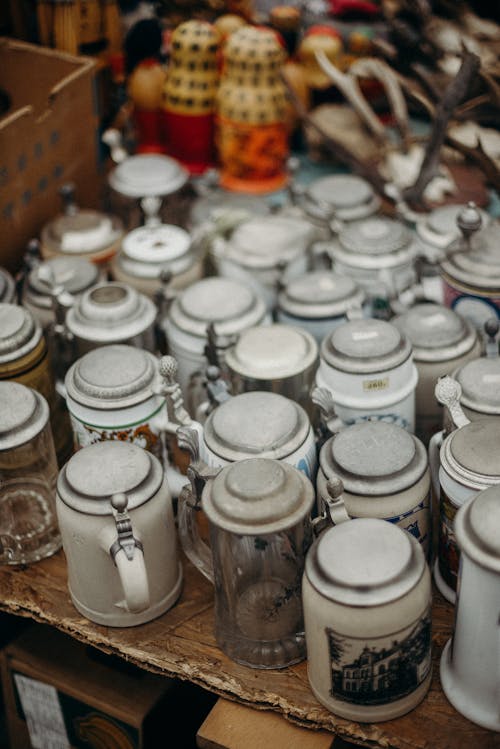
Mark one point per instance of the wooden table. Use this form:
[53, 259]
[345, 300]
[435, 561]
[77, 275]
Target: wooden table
[181, 644]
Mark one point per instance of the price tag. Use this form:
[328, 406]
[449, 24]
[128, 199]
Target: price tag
[43, 713]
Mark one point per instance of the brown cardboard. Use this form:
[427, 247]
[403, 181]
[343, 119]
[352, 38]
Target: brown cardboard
[48, 137]
[102, 699]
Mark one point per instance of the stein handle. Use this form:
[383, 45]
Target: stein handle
[334, 511]
[196, 550]
[128, 555]
[435, 443]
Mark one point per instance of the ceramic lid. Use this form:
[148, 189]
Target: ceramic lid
[350, 197]
[374, 458]
[74, 274]
[19, 332]
[476, 528]
[109, 312]
[270, 352]
[93, 474]
[365, 562]
[219, 203]
[481, 266]
[266, 241]
[7, 287]
[82, 231]
[256, 423]
[24, 413]
[320, 294]
[148, 250]
[148, 174]
[436, 332]
[375, 242]
[470, 455]
[257, 496]
[363, 346]
[480, 383]
[439, 227]
[115, 376]
[230, 304]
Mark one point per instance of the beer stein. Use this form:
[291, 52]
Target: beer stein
[111, 313]
[7, 287]
[319, 301]
[151, 250]
[259, 519]
[377, 252]
[28, 473]
[280, 358]
[118, 533]
[24, 358]
[265, 251]
[366, 367]
[385, 474]
[437, 229]
[441, 340]
[90, 234]
[469, 671]
[471, 270]
[228, 304]
[366, 595]
[464, 462]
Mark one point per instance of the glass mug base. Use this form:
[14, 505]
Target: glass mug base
[28, 526]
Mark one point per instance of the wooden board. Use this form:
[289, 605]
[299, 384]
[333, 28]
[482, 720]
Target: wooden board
[181, 644]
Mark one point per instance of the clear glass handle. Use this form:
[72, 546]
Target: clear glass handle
[194, 548]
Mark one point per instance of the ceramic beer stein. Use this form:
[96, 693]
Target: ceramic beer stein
[24, 358]
[442, 340]
[259, 517]
[264, 252]
[28, 474]
[480, 380]
[367, 368]
[366, 595]
[377, 252]
[385, 474]
[279, 357]
[469, 670]
[7, 287]
[118, 532]
[111, 313]
[466, 463]
[319, 301]
[471, 270]
[228, 304]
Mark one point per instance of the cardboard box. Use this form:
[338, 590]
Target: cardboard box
[49, 136]
[104, 701]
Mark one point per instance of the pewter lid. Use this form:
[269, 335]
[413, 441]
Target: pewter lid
[476, 528]
[375, 236]
[222, 202]
[230, 304]
[436, 333]
[148, 250]
[115, 376]
[365, 562]
[110, 312]
[480, 382]
[269, 352]
[350, 197]
[265, 241]
[256, 423]
[24, 413]
[320, 294]
[82, 232]
[364, 346]
[93, 474]
[470, 455]
[481, 266]
[374, 458]
[257, 496]
[7, 287]
[148, 174]
[74, 274]
[439, 227]
[19, 332]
